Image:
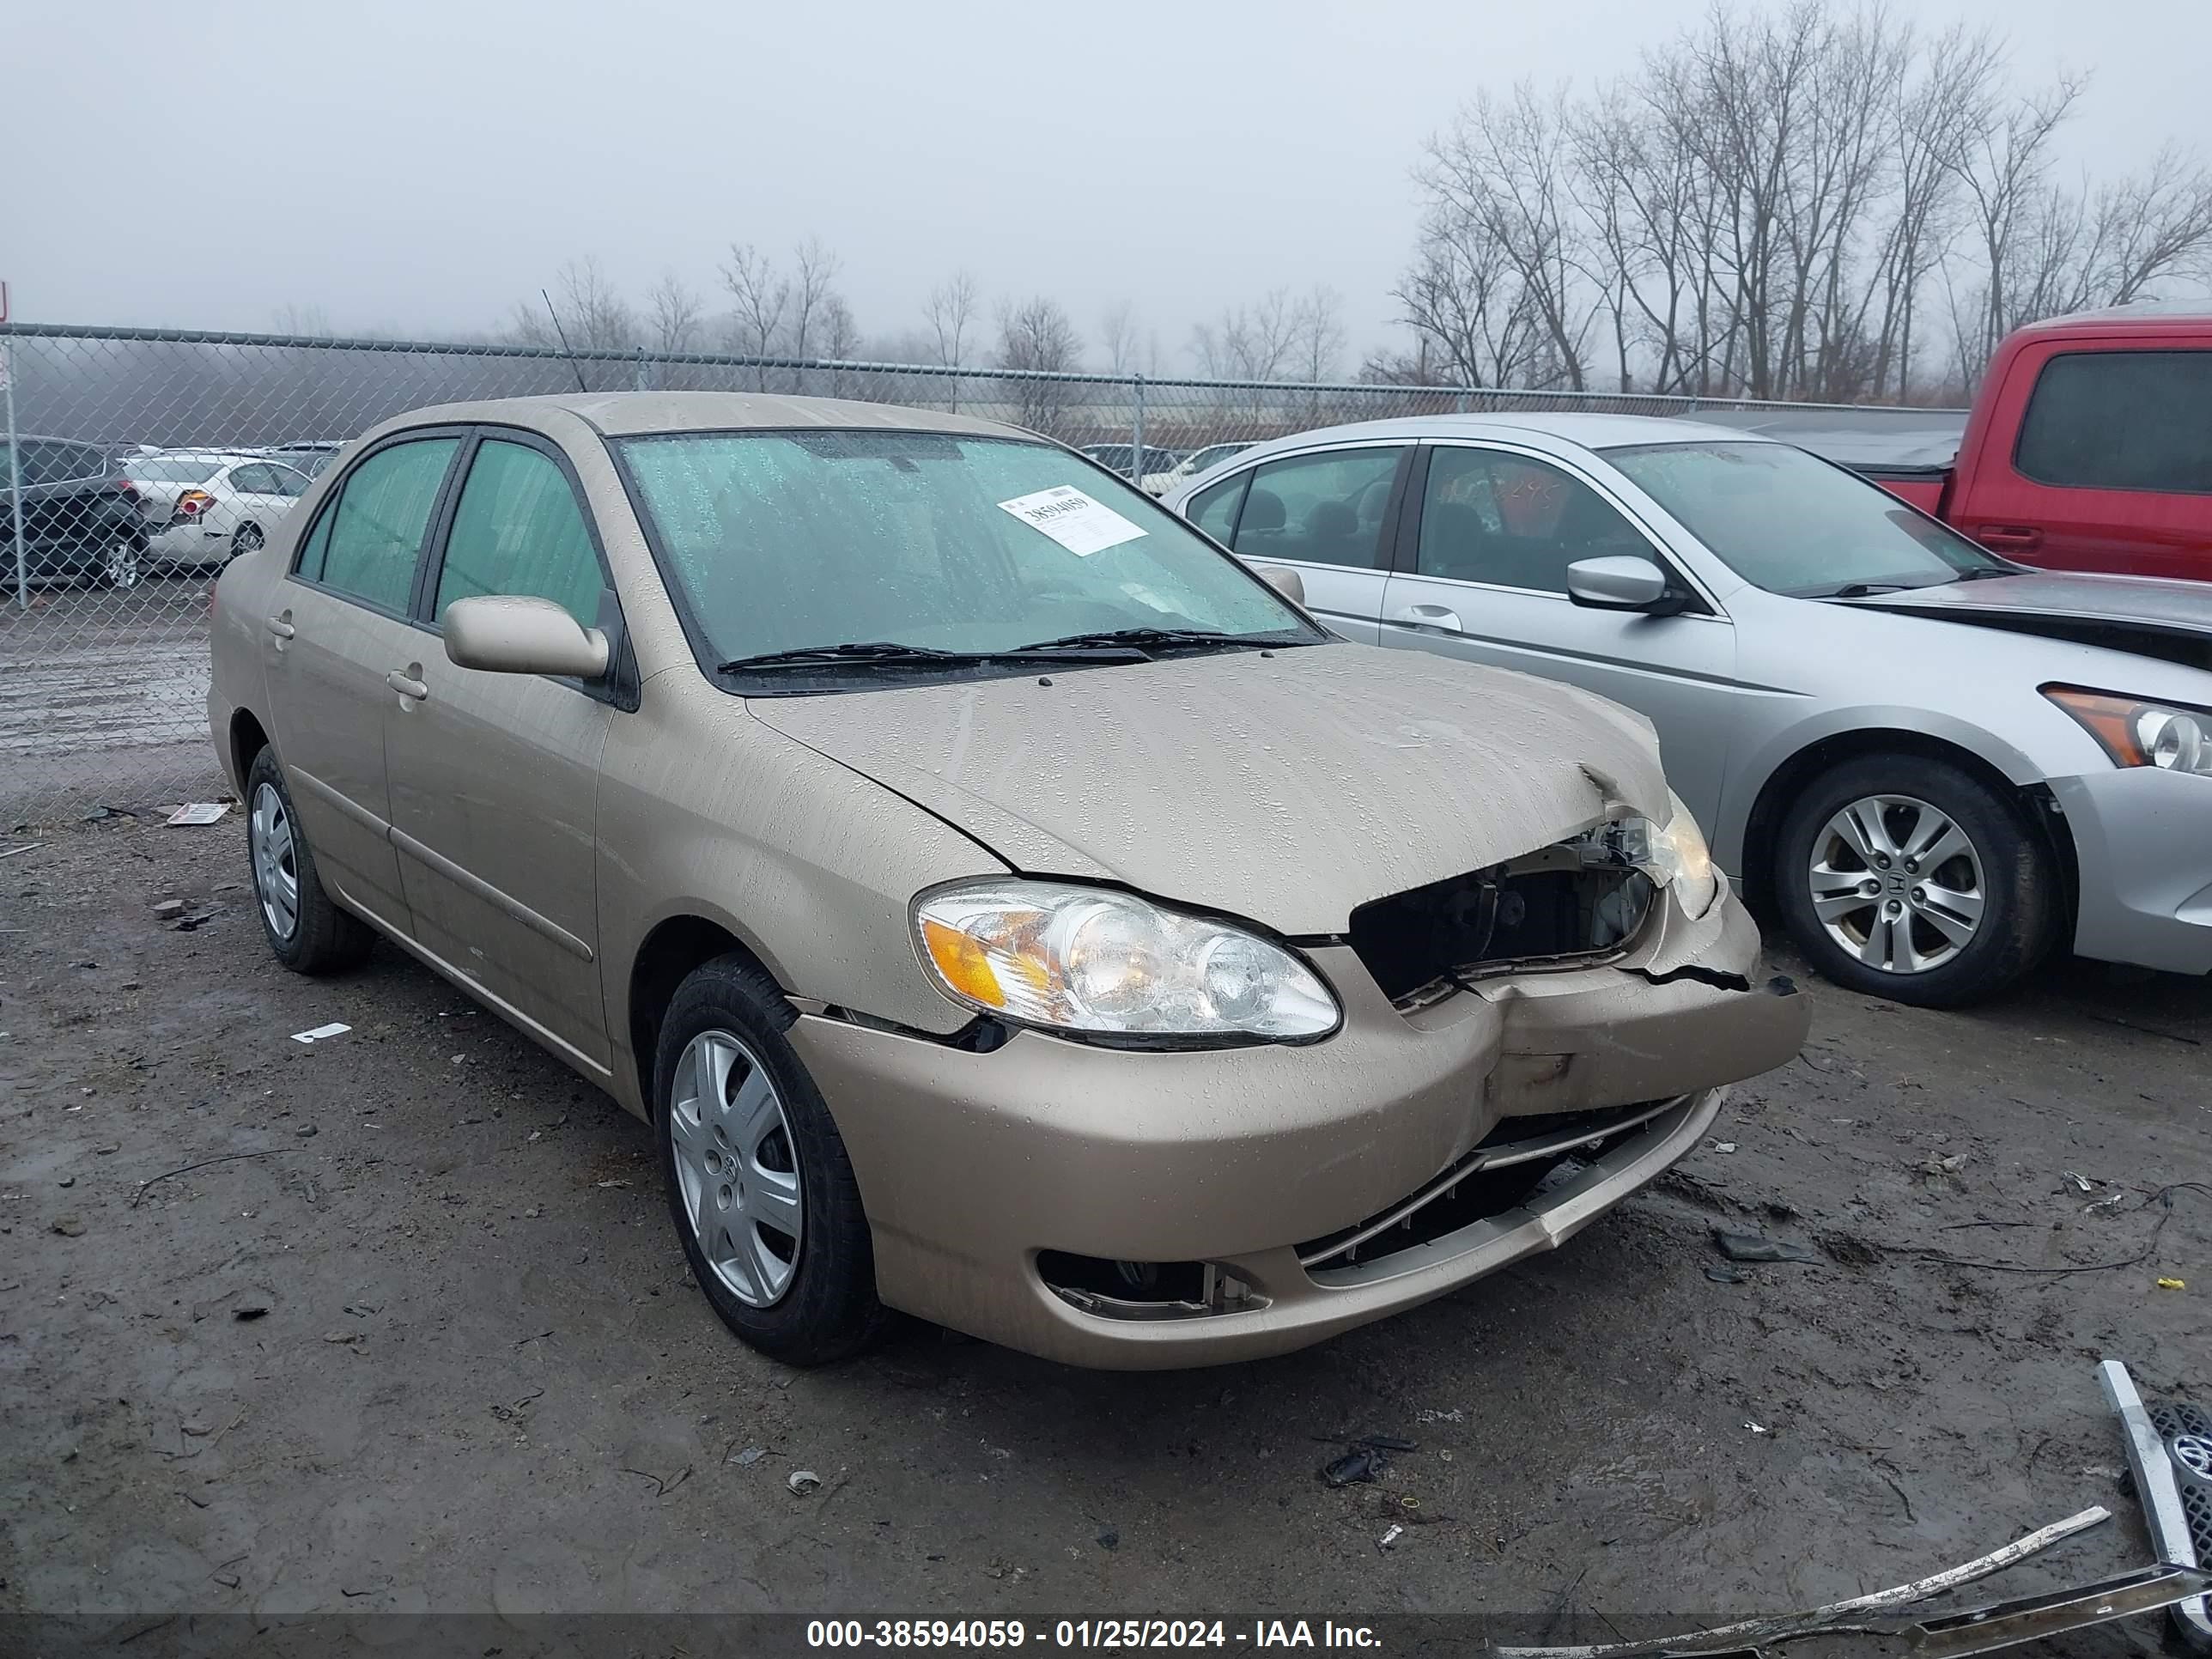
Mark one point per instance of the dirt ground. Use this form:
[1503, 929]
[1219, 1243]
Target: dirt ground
[481, 1381]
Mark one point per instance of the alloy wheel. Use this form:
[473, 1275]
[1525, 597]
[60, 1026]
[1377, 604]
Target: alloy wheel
[123, 565]
[1897, 884]
[737, 1168]
[276, 861]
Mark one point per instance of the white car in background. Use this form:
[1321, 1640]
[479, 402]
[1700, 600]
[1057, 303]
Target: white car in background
[204, 507]
[1198, 461]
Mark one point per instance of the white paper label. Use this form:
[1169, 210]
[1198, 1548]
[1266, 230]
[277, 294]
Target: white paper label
[321, 1033]
[1070, 517]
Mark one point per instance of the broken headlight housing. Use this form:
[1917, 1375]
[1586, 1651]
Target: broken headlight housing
[1092, 961]
[2134, 732]
[1672, 855]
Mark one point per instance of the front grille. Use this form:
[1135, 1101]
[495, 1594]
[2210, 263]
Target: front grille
[1565, 906]
[1505, 1167]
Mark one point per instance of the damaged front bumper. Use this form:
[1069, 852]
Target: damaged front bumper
[1218, 1185]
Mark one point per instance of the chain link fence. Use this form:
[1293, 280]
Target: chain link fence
[138, 460]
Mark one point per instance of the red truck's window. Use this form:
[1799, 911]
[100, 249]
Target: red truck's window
[2121, 420]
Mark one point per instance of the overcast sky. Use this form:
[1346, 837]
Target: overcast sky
[420, 166]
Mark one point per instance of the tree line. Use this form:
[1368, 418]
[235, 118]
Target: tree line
[1810, 201]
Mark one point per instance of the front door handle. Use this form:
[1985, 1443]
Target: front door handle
[2012, 537]
[281, 626]
[406, 683]
[1429, 616]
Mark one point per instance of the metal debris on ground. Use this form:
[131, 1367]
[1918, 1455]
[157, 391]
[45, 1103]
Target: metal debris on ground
[1388, 1538]
[1755, 1246]
[194, 813]
[321, 1033]
[2080, 1183]
[2004, 1623]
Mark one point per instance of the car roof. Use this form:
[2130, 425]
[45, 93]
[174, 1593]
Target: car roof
[1590, 431]
[2149, 320]
[638, 414]
[213, 457]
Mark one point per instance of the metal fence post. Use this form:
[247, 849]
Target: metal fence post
[1137, 435]
[16, 478]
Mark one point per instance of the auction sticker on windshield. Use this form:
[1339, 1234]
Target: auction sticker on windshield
[1070, 517]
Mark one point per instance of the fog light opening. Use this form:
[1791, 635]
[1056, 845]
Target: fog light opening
[1145, 1290]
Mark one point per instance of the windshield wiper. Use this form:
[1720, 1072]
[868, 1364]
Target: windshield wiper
[1157, 639]
[891, 654]
[1983, 573]
[1860, 590]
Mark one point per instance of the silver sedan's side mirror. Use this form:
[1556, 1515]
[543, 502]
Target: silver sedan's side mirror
[1623, 583]
[505, 633]
[1288, 583]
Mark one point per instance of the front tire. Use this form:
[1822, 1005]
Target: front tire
[308, 934]
[246, 538]
[1907, 878]
[759, 1184]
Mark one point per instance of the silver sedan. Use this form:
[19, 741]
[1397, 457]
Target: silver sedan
[1938, 765]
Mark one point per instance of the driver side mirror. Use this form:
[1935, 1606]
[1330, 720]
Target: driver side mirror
[1288, 583]
[505, 633]
[1624, 582]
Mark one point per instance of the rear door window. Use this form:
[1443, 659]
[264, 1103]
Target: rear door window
[367, 546]
[1214, 509]
[2121, 420]
[1320, 509]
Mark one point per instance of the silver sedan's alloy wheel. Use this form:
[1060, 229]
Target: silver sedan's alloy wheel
[738, 1167]
[1897, 885]
[276, 861]
[122, 570]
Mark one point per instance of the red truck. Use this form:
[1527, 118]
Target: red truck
[2089, 447]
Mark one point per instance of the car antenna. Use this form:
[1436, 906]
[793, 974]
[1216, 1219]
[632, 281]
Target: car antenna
[565, 350]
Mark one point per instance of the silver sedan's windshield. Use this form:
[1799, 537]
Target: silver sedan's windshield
[802, 542]
[1791, 523]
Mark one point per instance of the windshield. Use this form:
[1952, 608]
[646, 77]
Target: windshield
[1793, 523]
[790, 541]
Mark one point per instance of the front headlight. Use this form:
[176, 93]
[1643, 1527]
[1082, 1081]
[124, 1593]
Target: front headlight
[2138, 733]
[1674, 854]
[1087, 959]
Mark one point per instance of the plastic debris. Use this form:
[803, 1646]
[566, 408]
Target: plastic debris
[749, 1456]
[194, 814]
[2173, 1284]
[1724, 1146]
[803, 1481]
[1754, 1247]
[1354, 1467]
[2080, 1183]
[321, 1033]
[1726, 1276]
[1757, 1428]
[1389, 1537]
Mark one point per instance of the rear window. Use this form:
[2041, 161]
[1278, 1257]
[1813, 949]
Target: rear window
[157, 471]
[2121, 420]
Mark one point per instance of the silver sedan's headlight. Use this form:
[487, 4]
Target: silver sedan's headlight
[1672, 855]
[2138, 733]
[1070, 958]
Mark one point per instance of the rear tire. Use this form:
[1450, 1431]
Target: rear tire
[306, 931]
[124, 566]
[247, 539]
[808, 1298]
[1907, 878]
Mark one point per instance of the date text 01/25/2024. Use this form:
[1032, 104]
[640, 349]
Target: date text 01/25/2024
[1085, 1633]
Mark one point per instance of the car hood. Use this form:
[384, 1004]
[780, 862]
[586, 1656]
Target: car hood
[2131, 612]
[1287, 789]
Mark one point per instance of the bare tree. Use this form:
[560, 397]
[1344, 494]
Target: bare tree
[1119, 333]
[1317, 334]
[813, 294]
[1037, 336]
[951, 310]
[1250, 342]
[761, 296]
[676, 314]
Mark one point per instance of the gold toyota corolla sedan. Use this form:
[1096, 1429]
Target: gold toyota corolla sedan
[1003, 905]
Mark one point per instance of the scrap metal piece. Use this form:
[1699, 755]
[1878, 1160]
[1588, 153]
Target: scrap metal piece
[2032, 1618]
[1746, 1634]
[2152, 1459]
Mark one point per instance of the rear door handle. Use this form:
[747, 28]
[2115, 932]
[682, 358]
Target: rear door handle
[1429, 616]
[282, 626]
[2019, 538]
[406, 685]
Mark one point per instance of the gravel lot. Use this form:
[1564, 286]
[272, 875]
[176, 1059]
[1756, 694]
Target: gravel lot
[481, 1381]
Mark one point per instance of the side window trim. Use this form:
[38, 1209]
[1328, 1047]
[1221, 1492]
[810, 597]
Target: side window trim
[327, 513]
[2054, 357]
[1705, 606]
